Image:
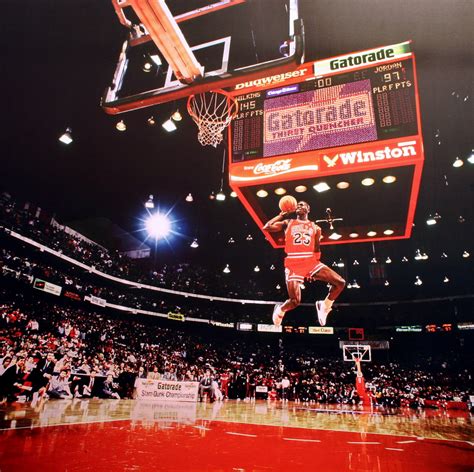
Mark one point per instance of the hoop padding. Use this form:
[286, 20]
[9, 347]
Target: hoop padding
[212, 112]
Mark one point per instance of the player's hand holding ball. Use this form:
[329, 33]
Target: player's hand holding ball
[287, 204]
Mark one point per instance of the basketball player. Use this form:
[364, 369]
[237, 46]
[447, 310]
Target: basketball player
[302, 262]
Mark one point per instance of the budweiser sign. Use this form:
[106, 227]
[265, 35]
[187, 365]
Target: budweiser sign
[273, 168]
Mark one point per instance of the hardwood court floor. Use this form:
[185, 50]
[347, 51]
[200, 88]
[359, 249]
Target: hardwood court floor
[128, 435]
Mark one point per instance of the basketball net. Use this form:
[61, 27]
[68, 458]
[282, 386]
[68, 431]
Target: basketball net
[212, 112]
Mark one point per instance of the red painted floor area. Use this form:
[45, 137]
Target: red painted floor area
[221, 446]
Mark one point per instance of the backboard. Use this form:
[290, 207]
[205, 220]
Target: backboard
[176, 48]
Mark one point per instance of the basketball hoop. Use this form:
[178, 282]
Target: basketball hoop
[212, 112]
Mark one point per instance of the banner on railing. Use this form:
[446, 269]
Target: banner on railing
[47, 287]
[166, 390]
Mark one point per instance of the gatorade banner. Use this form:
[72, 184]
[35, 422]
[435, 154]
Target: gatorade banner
[166, 390]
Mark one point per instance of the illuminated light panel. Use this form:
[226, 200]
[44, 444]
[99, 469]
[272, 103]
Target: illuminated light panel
[262, 193]
[335, 236]
[343, 185]
[368, 182]
[354, 235]
[388, 232]
[321, 187]
[169, 126]
[389, 179]
[372, 234]
[280, 191]
[301, 188]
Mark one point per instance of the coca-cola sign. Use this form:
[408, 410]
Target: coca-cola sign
[273, 168]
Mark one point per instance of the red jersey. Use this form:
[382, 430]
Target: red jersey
[300, 238]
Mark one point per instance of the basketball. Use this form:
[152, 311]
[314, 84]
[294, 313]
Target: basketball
[287, 203]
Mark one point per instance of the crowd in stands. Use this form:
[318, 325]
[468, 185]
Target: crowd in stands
[179, 276]
[50, 351]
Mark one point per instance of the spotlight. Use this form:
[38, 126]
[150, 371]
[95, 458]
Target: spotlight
[431, 221]
[458, 162]
[404, 259]
[66, 137]
[169, 126]
[249, 237]
[176, 116]
[151, 121]
[272, 267]
[389, 179]
[373, 260]
[465, 254]
[280, 191]
[301, 188]
[368, 182]
[444, 256]
[355, 284]
[461, 219]
[371, 234]
[418, 281]
[121, 126]
[149, 203]
[340, 263]
[356, 262]
[418, 256]
[220, 196]
[226, 269]
[342, 185]
[189, 198]
[233, 194]
[256, 269]
[231, 240]
[445, 280]
[262, 193]
[158, 226]
[388, 232]
[194, 244]
[354, 235]
[388, 260]
[387, 283]
[278, 287]
[321, 187]
[147, 66]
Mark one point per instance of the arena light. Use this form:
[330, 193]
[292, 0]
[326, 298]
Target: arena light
[404, 259]
[151, 121]
[249, 237]
[321, 187]
[356, 262]
[280, 191]
[176, 116]
[458, 162]
[231, 240]
[371, 234]
[121, 126]
[431, 221]
[470, 159]
[389, 179]
[226, 269]
[189, 198]
[278, 287]
[220, 196]
[465, 254]
[301, 188]
[387, 283]
[149, 203]
[368, 182]
[262, 193]
[147, 66]
[388, 260]
[194, 244]
[343, 185]
[354, 235]
[272, 267]
[418, 281]
[444, 256]
[335, 236]
[66, 137]
[340, 263]
[445, 280]
[461, 219]
[388, 232]
[158, 225]
[169, 125]
[233, 194]
[355, 284]
[373, 260]
[418, 256]
[256, 269]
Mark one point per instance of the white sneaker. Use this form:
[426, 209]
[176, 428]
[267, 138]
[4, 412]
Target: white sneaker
[323, 312]
[278, 314]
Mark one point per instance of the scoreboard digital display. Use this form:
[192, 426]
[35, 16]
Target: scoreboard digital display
[373, 103]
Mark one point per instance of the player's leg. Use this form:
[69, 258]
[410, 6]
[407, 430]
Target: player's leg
[336, 283]
[294, 299]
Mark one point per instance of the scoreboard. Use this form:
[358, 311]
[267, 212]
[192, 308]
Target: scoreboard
[361, 103]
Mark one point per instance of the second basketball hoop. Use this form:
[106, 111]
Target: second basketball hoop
[212, 112]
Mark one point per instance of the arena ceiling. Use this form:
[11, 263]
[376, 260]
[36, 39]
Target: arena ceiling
[59, 56]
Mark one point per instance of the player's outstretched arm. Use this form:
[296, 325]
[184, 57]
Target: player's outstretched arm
[278, 223]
